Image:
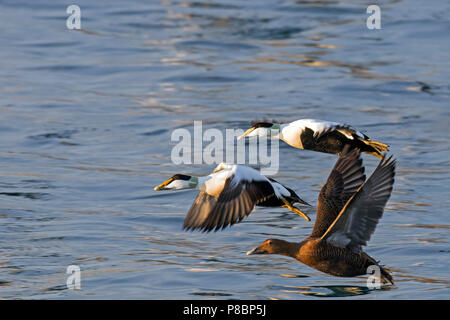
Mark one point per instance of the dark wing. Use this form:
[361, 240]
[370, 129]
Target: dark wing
[200, 210]
[359, 217]
[344, 180]
[234, 203]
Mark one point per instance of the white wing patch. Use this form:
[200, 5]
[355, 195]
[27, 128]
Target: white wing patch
[247, 174]
[238, 173]
[318, 126]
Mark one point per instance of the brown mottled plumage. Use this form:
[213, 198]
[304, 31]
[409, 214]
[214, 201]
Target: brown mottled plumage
[347, 213]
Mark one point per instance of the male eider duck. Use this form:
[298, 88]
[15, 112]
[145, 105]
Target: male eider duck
[317, 135]
[347, 213]
[229, 194]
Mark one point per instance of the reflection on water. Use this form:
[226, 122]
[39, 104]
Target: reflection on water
[328, 291]
[87, 116]
[212, 294]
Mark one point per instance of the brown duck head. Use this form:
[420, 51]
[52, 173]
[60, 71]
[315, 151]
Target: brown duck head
[272, 246]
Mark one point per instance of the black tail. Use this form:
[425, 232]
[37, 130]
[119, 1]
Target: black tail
[385, 275]
[373, 148]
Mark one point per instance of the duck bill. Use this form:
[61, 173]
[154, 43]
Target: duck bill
[301, 214]
[163, 185]
[253, 251]
[246, 133]
[294, 209]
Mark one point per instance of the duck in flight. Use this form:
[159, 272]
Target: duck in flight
[229, 194]
[317, 135]
[348, 211]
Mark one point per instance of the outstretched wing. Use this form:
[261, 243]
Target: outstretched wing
[231, 205]
[344, 180]
[358, 219]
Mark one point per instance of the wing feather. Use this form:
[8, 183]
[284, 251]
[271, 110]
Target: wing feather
[344, 180]
[358, 219]
[343, 129]
[234, 203]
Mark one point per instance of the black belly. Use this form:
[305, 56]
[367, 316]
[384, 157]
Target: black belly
[332, 142]
[272, 201]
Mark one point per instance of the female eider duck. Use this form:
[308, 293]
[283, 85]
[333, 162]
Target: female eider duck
[317, 135]
[347, 213]
[229, 194]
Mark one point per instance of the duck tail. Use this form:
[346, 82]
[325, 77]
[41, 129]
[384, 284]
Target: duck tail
[375, 148]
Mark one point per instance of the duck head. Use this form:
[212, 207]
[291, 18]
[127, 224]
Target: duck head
[271, 246]
[178, 182]
[262, 129]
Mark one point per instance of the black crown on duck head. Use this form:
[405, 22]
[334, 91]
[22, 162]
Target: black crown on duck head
[181, 177]
[261, 124]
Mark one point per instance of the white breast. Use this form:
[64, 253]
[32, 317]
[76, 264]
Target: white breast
[291, 135]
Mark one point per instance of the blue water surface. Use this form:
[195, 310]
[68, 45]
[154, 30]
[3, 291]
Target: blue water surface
[86, 119]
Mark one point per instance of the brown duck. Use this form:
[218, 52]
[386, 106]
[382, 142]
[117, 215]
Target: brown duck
[348, 211]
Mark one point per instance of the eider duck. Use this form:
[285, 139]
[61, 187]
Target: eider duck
[317, 135]
[347, 213]
[229, 194]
